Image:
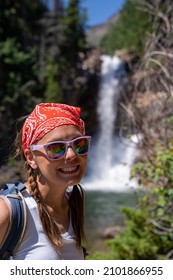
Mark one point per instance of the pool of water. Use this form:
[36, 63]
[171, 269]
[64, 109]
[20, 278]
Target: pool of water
[103, 210]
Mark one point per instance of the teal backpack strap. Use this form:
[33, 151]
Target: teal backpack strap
[12, 194]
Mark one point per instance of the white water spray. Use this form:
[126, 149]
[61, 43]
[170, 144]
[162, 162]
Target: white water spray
[110, 160]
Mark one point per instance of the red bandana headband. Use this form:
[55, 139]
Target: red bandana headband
[47, 116]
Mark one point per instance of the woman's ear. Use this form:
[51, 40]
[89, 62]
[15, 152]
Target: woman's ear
[30, 158]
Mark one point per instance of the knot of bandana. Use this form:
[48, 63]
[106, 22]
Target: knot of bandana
[47, 116]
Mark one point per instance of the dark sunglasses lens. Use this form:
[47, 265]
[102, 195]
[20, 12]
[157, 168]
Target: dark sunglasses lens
[81, 146]
[56, 150]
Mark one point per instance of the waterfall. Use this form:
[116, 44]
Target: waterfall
[110, 159]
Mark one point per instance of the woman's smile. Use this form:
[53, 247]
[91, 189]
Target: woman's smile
[69, 169]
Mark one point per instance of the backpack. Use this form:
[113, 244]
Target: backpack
[12, 194]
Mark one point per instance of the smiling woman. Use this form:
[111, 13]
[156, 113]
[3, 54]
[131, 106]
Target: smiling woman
[54, 149]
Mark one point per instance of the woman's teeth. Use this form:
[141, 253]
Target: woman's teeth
[69, 169]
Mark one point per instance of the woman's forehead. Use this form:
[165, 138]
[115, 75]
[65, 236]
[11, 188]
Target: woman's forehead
[64, 132]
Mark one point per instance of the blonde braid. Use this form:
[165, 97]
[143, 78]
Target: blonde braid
[49, 224]
[31, 176]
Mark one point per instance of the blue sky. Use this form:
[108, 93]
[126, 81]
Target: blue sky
[100, 10]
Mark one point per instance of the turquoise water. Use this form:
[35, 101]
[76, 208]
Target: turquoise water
[103, 209]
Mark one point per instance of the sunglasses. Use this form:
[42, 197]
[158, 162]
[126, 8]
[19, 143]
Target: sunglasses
[57, 150]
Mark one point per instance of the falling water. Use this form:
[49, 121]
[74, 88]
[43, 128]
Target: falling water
[110, 159]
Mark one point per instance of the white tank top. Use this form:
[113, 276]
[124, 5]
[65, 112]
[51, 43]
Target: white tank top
[35, 244]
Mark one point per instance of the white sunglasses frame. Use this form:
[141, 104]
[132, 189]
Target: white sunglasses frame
[68, 144]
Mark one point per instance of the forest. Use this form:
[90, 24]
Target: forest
[42, 57]
[41, 60]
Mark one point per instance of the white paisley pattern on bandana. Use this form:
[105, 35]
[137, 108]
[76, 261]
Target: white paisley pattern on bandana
[47, 116]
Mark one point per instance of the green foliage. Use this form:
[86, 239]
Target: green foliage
[18, 55]
[13, 57]
[148, 234]
[74, 31]
[19, 18]
[158, 171]
[130, 31]
[22, 79]
[52, 92]
[148, 231]
[27, 36]
[10, 51]
[16, 70]
[75, 22]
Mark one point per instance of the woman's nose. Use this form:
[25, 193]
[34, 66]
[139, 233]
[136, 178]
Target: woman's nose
[70, 154]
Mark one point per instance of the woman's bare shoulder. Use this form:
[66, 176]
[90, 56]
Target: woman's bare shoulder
[4, 219]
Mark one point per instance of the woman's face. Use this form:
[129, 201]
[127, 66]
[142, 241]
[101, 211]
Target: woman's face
[66, 171]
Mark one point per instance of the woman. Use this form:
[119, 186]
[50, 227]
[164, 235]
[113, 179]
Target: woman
[54, 148]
